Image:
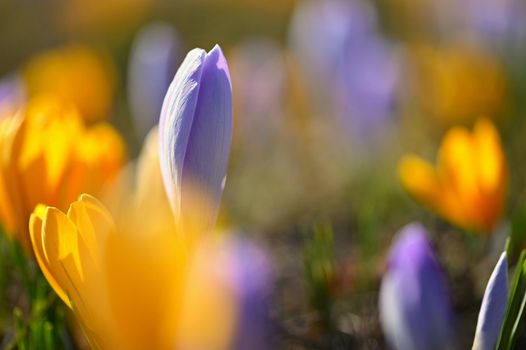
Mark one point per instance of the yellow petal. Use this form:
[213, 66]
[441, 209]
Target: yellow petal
[456, 164]
[35, 230]
[491, 164]
[146, 317]
[149, 193]
[11, 203]
[94, 224]
[59, 240]
[420, 180]
[208, 318]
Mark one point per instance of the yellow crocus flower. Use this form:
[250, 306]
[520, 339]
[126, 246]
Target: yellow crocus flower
[467, 186]
[132, 282]
[75, 74]
[48, 156]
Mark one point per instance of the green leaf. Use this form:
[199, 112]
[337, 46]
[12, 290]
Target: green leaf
[516, 307]
[48, 336]
[517, 239]
[319, 262]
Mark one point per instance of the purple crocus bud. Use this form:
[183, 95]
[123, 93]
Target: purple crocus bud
[415, 309]
[154, 58]
[493, 307]
[195, 133]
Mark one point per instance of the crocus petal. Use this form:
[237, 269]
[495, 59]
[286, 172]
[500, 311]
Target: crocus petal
[493, 307]
[196, 133]
[415, 310]
[177, 116]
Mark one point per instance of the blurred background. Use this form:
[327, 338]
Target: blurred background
[328, 96]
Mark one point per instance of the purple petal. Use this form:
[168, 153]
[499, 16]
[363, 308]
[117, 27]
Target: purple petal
[177, 116]
[252, 283]
[415, 310]
[196, 133]
[153, 62]
[493, 307]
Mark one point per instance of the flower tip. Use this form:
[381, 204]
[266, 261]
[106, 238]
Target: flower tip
[217, 48]
[84, 197]
[218, 57]
[40, 211]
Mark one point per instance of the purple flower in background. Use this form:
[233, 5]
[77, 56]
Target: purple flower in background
[352, 70]
[415, 309]
[496, 21]
[369, 78]
[490, 17]
[252, 284]
[493, 307]
[258, 72]
[226, 297]
[492, 23]
[154, 58]
[12, 94]
[195, 135]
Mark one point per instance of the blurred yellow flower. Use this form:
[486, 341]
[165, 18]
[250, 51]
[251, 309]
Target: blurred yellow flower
[49, 156]
[103, 17]
[131, 280]
[468, 185]
[459, 84]
[75, 74]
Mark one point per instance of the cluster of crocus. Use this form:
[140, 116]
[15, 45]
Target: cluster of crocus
[349, 64]
[50, 156]
[468, 185]
[188, 288]
[415, 308]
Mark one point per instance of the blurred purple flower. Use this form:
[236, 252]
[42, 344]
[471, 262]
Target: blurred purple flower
[491, 18]
[195, 134]
[258, 72]
[493, 307]
[12, 94]
[415, 309]
[154, 58]
[252, 284]
[492, 23]
[350, 67]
